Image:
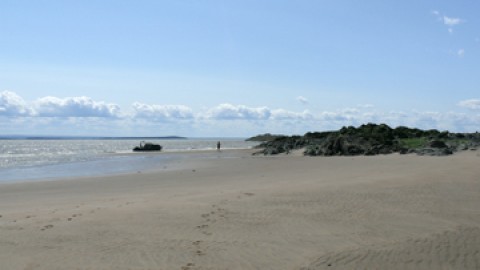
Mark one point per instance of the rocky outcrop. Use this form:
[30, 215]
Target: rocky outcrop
[264, 137]
[373, 139]
[145, 147]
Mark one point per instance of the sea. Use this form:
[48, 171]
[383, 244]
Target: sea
[59, 158]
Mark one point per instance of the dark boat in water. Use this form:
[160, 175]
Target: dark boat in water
[147, 147]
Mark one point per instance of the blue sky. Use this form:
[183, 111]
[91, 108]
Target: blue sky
[236, 68]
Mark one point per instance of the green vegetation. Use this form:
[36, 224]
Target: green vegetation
[413, 143]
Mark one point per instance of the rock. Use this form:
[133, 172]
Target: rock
[437, 144]
[446, 151]
[145, 147]
[372, 139]
[264, 137]
[462, 147]
[434, 151]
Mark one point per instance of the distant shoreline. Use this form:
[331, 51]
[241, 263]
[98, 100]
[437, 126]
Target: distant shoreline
[21, 137]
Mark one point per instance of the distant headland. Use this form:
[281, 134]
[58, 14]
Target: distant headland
[370, 139]
[42, 137]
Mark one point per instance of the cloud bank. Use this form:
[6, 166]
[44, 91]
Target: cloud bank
[228, 111]
[162, 112]
[67, 115]
[12, 104]
[473, 104]
[74, 107]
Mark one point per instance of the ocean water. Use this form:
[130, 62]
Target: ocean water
[27, 160]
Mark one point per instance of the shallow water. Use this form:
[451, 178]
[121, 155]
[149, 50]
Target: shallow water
[50, 159]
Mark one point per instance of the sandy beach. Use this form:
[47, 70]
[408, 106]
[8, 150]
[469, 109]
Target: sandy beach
[252, 212]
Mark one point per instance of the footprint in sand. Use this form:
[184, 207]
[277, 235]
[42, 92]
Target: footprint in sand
[203, 229]
[212, 217]
[74, 216]
[248, 194]
[198, 251]
[219, 211]
[187, 267]
[196, 243]
[46, 227]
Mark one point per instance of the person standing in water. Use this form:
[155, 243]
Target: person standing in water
[218, 146]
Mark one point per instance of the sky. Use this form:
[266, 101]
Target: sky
[236, 68]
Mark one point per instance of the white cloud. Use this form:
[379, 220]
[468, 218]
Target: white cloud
[281, 114]
[350, 111]
[461, 52]
[452, 21]
[12, 104]
[74, 107]
[230, 112]
[241, 112]
[335, 116]
[365, 106]
[302, 100]
[162, 112]
[473, 104]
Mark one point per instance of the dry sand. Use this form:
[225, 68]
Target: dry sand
[285, 212]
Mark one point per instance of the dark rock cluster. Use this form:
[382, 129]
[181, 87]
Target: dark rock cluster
[145, 147]
[373, 139]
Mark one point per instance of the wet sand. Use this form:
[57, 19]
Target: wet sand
[252, 212]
